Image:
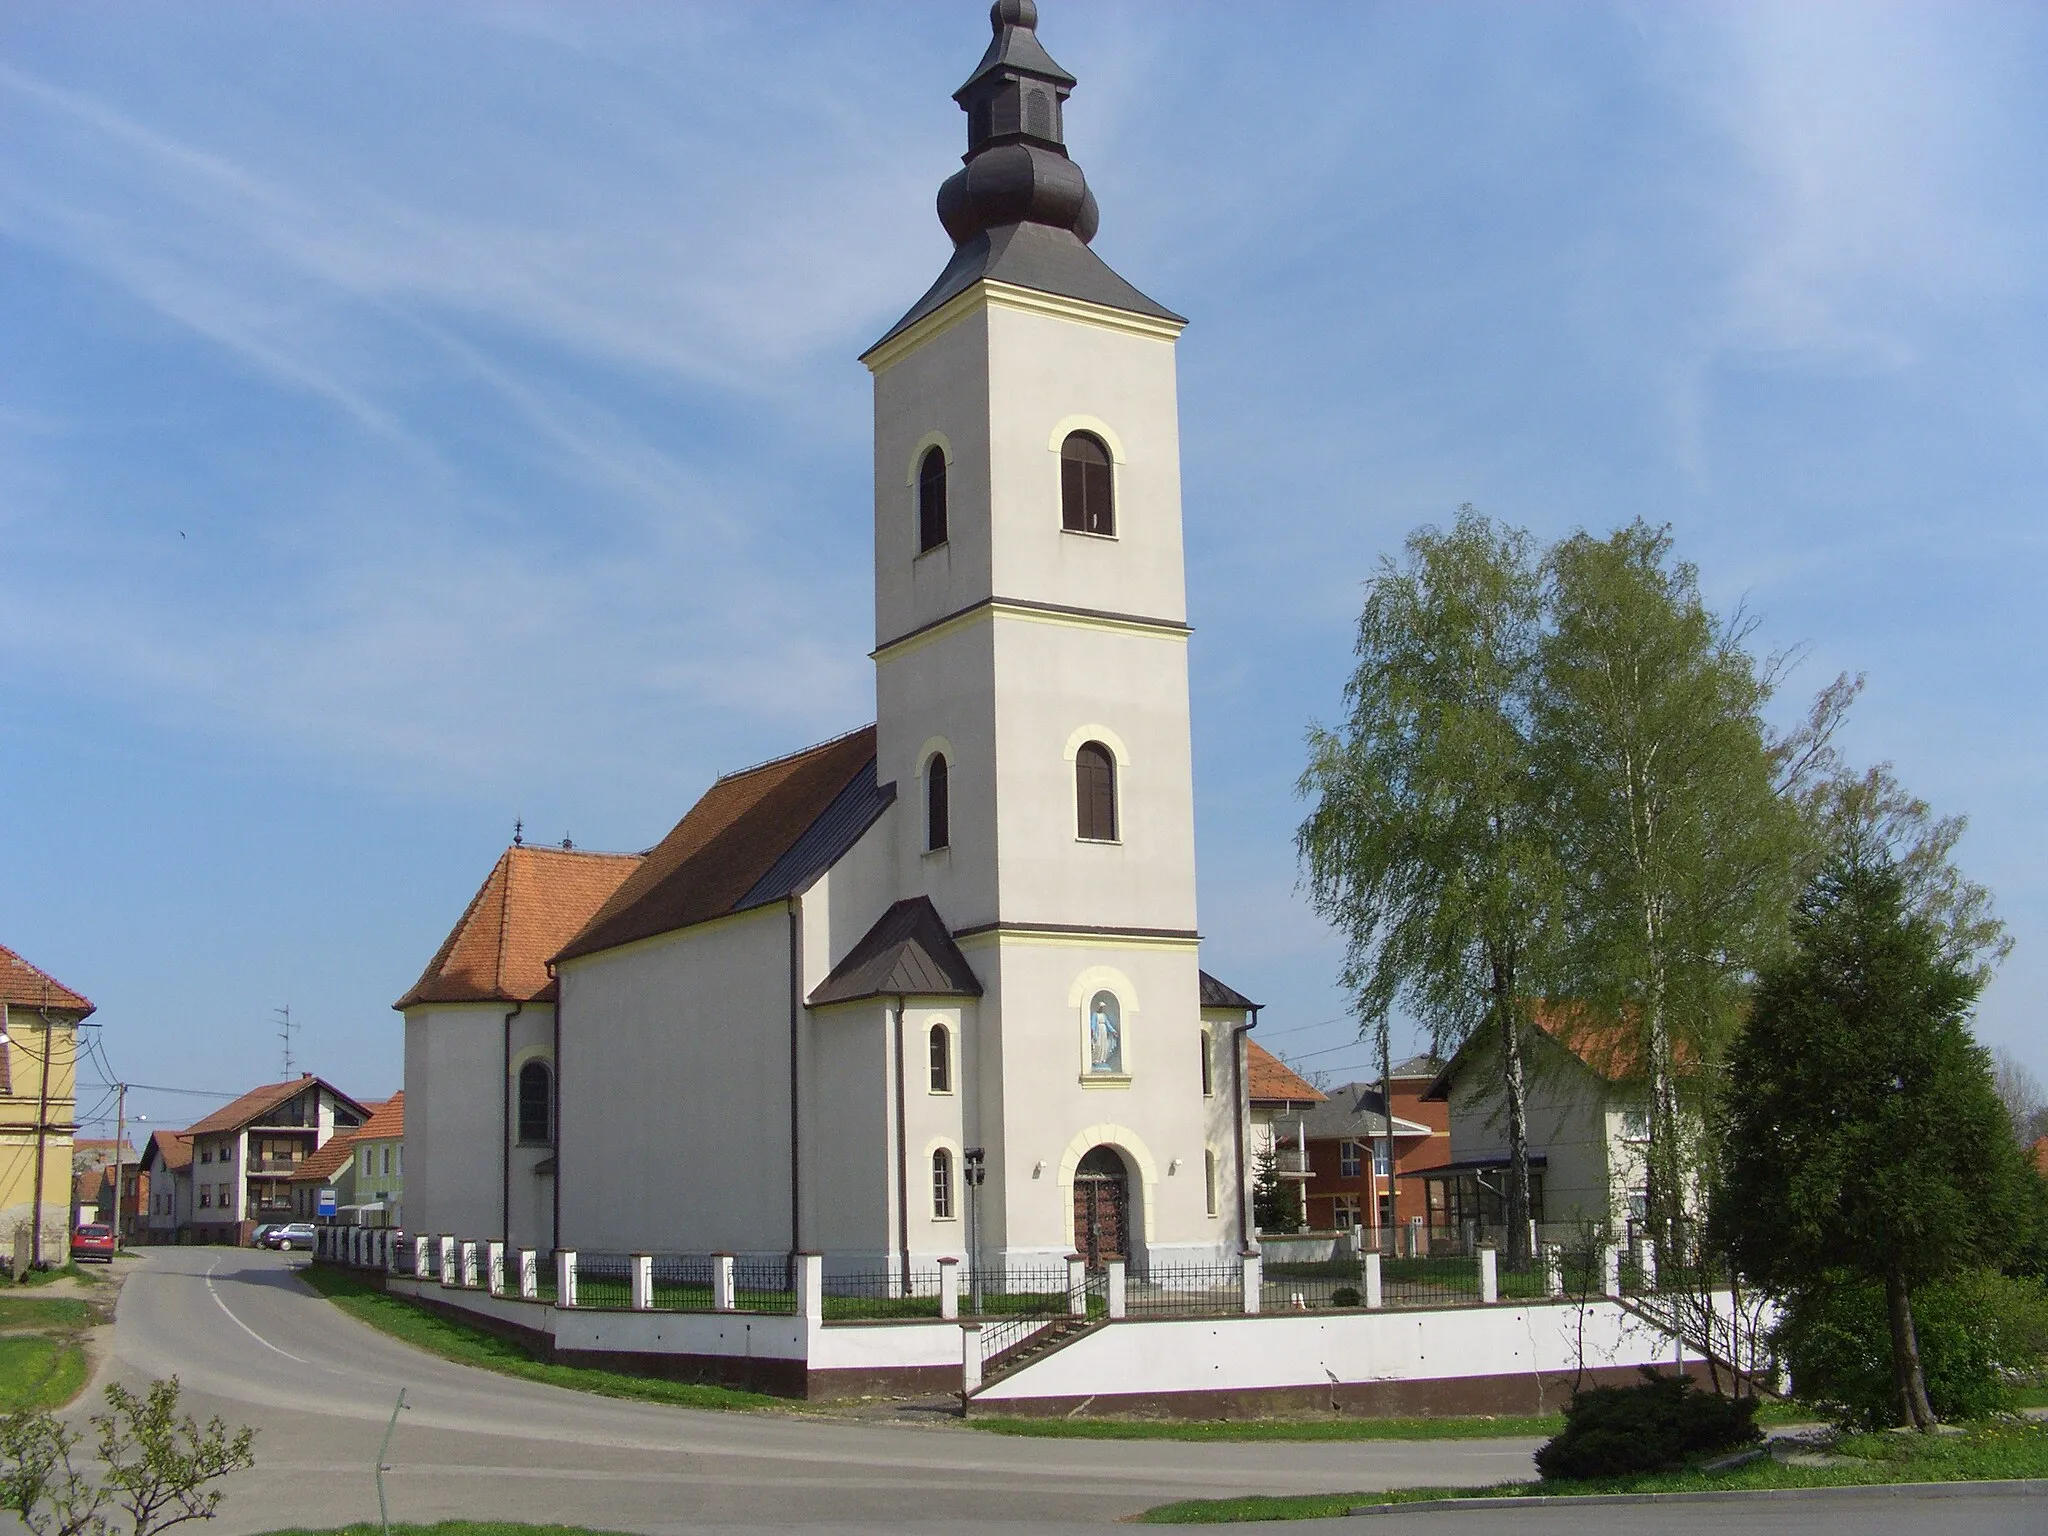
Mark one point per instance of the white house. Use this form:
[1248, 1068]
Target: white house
[962, 937]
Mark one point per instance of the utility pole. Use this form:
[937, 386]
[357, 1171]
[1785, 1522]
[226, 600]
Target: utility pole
[120, 1146]
[42, 1140]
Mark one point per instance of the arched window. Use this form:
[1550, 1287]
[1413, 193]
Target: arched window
[931, 500]
[1095, 793]
[942, 1185]
[536, 1103]
[938, 804]
[1086, 498]
[1105, 1034]
[941, 1060]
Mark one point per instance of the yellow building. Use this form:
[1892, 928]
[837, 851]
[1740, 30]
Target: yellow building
[39, 1019]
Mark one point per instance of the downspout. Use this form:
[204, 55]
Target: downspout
[1244, 1109]
[796, 1144]
[555, 1113]
[505, 1141]
[902, 1158]
[42, 1137]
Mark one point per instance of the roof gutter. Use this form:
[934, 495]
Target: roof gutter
[796, 1013]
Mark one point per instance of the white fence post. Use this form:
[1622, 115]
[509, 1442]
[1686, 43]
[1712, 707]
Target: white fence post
[1553, 1270]
[449, 1274]
[565, 1277]
[949, 1289]
[494, 1268]
[1077, 1282]
[1610, 1266]
[1118, 1289]
[1254, 1279]
[1375, 1297]
[1489, 1277]
[970, 1358]
[472, 1269]
[721, 1282]
[529, 1275]
[810, 1286]
[422, 1256]
[1646, 1262]
[643, 1282]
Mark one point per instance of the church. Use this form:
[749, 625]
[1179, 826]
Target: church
[933, 988]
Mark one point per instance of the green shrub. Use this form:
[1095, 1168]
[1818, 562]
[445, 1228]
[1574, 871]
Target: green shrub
[1658, 1426]
[1977, 1333]
[1344, 1296]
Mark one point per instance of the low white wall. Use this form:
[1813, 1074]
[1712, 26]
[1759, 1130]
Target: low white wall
[737, 1335]
[1249, 1354]
[885, 1346]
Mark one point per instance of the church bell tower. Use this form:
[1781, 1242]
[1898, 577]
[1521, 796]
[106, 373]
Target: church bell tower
[1031, 665]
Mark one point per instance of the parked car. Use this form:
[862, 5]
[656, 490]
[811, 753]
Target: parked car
[296, 1234]
[260, 1238]
[93, 1241]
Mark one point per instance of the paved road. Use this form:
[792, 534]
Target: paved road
[251, 1343]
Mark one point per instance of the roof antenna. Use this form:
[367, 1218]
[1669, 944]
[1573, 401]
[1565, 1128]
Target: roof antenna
[285, 1026]
[567, 846]
[518, 832]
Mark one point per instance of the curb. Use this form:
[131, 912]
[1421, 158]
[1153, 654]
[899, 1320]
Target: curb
[2025, 1487]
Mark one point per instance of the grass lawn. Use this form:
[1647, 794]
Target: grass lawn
[42, 1348]
[1540, 1425]
[450, 1528]
[460, 1342]
[2000, 1449]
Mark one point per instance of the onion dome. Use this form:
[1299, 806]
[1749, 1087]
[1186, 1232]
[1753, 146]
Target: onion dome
[1017, 170]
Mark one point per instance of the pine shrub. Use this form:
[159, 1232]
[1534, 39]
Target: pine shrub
[1658, 1426]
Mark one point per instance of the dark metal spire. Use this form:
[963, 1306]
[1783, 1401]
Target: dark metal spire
[1017, 169]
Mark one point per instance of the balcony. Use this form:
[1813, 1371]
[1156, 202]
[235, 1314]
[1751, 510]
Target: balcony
[280, 1165]
[1291, 1163]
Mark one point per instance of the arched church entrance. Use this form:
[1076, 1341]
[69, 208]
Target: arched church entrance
[1102, 1208]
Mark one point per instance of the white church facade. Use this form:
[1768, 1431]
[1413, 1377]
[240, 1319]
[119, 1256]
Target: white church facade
[959, 942]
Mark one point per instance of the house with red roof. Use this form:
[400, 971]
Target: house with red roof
[167, 1168]
[245, 1153]
[39, 1021]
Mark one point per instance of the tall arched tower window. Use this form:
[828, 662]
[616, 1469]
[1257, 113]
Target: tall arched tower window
[536, 1103]
[938, 803]
[1095, 793]
[941, 1060]
[1087, 503]
[942, 1185]
[931, 500]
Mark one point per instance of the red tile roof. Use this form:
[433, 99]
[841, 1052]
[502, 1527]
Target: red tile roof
[328, 1160]
[1270, 1080]
[173, 1149]
[258, 1102]
[23, 986]
[387, 1123]
[728, 844]
[533, 902]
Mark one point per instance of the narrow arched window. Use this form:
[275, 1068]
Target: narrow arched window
[931, 500]
[1086, 496]
[1208, 1072]
[941, 1060]
[1095, 793]
[938, 803]
[942, 1185]
[536, 1103]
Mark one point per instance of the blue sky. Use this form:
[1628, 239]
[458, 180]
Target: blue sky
[414, 418]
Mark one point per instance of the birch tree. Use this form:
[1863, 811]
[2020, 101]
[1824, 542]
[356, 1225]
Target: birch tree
[1681, 856]
[1426, 846]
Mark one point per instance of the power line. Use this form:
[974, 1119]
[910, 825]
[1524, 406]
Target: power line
[198, 1093]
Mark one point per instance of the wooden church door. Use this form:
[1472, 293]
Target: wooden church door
[1102, 1208]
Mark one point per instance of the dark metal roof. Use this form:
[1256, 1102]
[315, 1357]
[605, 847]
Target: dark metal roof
[1019, 210]
[908, 953]
[1355, 1109]
[1478, 1165]
[856, 808]
[1216, 994]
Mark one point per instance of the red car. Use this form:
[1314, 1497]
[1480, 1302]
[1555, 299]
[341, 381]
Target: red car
[93, 1242]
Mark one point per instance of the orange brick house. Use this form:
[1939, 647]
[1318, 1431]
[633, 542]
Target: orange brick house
[1351, 1182]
